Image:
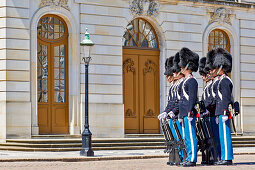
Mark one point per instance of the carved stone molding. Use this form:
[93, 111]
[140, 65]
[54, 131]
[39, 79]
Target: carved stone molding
[144, 7]
[55, 3]
[150, 114]
[220, 15]
[130, 114]
[128, 65]
[150, 66]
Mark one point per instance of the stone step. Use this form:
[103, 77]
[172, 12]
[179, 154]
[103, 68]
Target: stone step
[109, 140]
[72, 145]
[17, 148]
[64, 143]
[96, 140]
[55, 136]
[144, 136]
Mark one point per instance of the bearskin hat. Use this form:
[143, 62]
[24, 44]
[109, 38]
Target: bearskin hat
[222, 59]
[201, 68]
[176, 67]
[168, 66]
[188, 57]
[209, 60]
[166, 63]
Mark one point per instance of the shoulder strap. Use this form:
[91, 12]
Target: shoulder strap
[218, 88]
[177, 94]
[183, 90]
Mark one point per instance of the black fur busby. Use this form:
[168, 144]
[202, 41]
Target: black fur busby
[176, 67]
[222, 59]
[209, 60]
[201, 68]
[168, 66]
[190, 58]
[166, 63]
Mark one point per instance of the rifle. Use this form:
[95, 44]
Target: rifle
[211, 143]
[171, 144]
[206, 142]
[180, 141]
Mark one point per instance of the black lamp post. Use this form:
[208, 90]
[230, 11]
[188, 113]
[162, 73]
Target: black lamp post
[86, 45]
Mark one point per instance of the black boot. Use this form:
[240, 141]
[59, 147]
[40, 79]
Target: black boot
[225, 162]
[189, 164]
[170, 163]
[182, 163]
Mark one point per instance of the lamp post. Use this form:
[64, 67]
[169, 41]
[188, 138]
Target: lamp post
[86, 45]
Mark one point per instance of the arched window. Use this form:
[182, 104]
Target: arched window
[218, 38]
[139, 33]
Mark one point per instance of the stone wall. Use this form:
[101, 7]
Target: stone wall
[14, 68]
[247, 42]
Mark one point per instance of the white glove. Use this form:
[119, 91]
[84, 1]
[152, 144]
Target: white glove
[217, 120]
[162, 116]
[190, 119]
[171, 114]
[180, 120]
[224, 118]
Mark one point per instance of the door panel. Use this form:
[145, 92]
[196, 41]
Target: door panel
[141, 90]
[130, 84]
[59, 120]
[44, 118]
[150, 92]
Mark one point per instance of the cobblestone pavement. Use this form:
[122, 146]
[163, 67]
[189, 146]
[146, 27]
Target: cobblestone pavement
[241, 162]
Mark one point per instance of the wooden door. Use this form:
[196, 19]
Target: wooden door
[52, 75]
[141, 90]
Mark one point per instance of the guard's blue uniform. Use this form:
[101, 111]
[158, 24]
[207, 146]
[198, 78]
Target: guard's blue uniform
[187, 104]
[172, 100]
[175, 106]
[223, 99]
[170, 105]
[210, 104]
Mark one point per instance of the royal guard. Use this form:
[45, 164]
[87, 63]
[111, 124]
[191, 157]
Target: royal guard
[179, 78]
[169, 76]
[210, 103]
[173, 114]
[208, 116]
[187, 112]
[222, 62]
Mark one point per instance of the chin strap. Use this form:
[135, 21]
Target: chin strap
[186, 67]
[219, 70]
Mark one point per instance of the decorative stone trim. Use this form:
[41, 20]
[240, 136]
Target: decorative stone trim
[147, 7]
[220, 15]
[55, 3]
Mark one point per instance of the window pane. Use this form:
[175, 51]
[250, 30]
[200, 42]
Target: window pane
[56, 84]
[56, 73]
[62, 74]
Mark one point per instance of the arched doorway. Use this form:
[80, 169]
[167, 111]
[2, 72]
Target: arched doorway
[52, 75]
[141, 78]
[219, 38]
